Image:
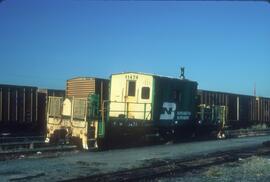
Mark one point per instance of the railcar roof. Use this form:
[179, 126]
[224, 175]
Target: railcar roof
[49, 89]
[155, 75]
[230, 93]
[87, 78]
[16, 86]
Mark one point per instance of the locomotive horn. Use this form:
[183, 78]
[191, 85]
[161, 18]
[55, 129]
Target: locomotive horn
[182, 76]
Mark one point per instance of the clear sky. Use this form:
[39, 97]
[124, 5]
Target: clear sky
[225, 46]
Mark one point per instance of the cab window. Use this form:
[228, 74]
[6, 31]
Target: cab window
[131, 88]
[145, 93]
[177, 96]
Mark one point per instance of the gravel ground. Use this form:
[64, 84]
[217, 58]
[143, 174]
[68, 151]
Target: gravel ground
[77, 164]
[247, 170]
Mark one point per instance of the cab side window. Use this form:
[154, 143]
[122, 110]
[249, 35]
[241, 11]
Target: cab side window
[145, 93]
[177, 96]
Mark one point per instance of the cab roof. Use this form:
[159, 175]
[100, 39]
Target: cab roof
[154, 75]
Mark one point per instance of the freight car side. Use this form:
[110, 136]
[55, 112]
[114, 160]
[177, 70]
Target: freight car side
[23, 108]
[260, 110]
[242, 110]
[18, 110]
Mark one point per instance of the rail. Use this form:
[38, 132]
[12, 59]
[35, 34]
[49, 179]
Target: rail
[30, 144]
[164, 168]
[10, 139]
[246, 133]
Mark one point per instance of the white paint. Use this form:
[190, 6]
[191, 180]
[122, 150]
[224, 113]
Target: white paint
[169, 111]
[183, 115]
[66, 107]
[131, 107]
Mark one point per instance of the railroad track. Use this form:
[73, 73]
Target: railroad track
[171, 167]
[246, 133]
[160, 168]
[15, 146]
[33, 144]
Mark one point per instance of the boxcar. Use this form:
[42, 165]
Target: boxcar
[18, 110]
[260, 110]
[23, 108]
[242, 110]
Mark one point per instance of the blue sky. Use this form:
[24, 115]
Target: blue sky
[225, 46]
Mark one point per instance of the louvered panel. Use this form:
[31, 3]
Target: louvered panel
[81, 87]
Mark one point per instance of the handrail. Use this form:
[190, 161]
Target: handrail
[126, 111]
[146, 111]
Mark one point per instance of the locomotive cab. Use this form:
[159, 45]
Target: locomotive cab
[147, 104]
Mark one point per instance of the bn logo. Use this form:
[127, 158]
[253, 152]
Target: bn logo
[168, 111]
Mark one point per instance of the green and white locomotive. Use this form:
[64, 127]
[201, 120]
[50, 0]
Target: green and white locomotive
[148, 103]
[136, 104]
